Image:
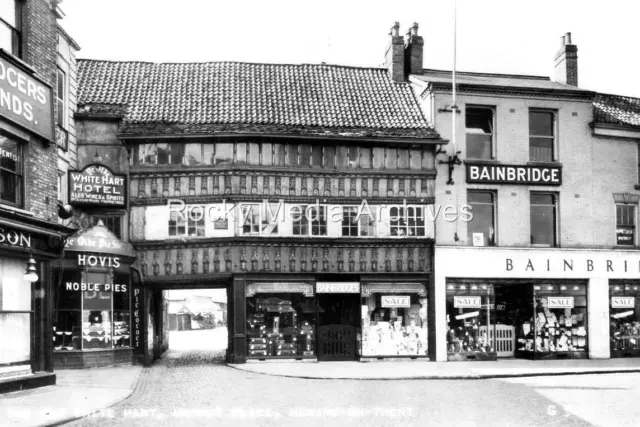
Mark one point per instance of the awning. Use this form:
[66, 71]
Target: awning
[279, 287]
[98, 239]
[390, 287]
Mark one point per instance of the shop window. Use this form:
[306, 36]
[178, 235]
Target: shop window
[193, 154]
[281, 325]
[354, 226]
[559, 324]
[11, 170]
[10, 34]
[309, 220]
[257, 221]
[408, 221]
[543, 219]
[61, 95]
[188, 223]
[121, 311]
[541, 136]
[366, 157]
[625, 225]
[481, 229]
[470, 321]
[15, 313]
[394, 325]
[479, 132]
[223, 154]
[391, 158]
[624, 318]
[112, 222]
[67, 330]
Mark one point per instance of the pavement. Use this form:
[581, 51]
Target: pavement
[77, 393]
[422, 370]
[133, 394]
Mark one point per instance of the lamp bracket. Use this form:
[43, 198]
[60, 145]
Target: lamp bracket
[452, 162]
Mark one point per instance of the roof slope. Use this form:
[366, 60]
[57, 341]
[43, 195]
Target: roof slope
[245, 97]
[617, 110]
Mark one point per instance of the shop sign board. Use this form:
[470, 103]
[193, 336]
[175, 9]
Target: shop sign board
[136, 318]
[560, 302]
[14, 238]
[338, 287]
[96, 185]
[279, 287]
[623, 302]
[467, 302]
[26, 100]
[96, 287]
[393, 301]
[513, 174]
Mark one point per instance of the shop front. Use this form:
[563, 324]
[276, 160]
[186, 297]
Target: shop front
[27, 251]
[94, 302]
[535, 303]
[336, 321]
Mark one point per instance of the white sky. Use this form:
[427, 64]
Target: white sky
[506, 36]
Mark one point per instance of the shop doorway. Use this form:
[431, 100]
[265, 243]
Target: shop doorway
[338, 326]
[195, 319]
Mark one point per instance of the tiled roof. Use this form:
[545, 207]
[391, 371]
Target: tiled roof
[246, 97]
[616, 110]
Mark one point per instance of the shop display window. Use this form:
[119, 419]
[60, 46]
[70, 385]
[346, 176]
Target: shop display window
[15, 313]
[470, 321]
[624, 319]
[89, 320]
[559, 322]
[394, 325]
[281, 325]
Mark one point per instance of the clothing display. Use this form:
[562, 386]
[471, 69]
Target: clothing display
[393, 331]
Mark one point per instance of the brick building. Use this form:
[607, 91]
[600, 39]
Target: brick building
[31, 237]
[546, 267]
[250, 139]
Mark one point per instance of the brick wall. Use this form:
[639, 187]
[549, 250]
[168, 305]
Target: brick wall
[39, 51]
[592, 170]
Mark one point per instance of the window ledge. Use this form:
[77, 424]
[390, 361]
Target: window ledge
[550, 164]
[15, 210]
[482, 161]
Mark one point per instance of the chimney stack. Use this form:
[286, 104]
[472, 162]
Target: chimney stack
[414, 46]
[566, 69]
[394, 58]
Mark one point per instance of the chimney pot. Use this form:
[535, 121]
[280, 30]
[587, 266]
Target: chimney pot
[567, 38]
[395, 30]
[414, 29]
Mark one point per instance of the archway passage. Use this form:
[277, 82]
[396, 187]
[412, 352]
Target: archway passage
[196, 321]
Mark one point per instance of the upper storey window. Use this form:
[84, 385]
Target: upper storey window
[297, 155]
[541, 136]
[10, 26]
[479, 130]
[11, 172]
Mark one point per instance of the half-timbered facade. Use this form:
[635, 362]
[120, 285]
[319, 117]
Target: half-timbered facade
[304, 190]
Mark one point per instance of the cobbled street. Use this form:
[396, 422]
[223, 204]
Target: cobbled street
[193, 388]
